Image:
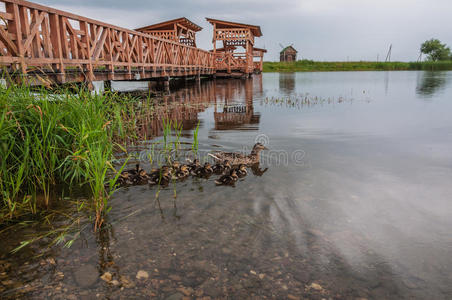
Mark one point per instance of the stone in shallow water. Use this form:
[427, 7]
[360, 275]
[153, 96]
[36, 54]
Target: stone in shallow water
[211, 290]
[107, 277]
[176, 296]
[115, 282]
[315, 286]
[187, 291]
[126, 282]
[142, 275]
[86, 275]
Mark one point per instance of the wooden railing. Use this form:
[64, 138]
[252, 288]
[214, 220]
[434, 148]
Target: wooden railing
[234, 34]
[227, 61]
[35, 37]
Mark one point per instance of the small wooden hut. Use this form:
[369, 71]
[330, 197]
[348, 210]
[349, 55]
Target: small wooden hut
[288, 54]
[180, 30]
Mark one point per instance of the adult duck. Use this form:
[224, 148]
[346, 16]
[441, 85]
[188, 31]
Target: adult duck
[236, 158]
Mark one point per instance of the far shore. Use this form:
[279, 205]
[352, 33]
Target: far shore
[318, 66]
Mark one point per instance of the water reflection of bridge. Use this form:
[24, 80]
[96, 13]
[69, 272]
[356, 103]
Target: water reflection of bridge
[236, 98]
[232, 101]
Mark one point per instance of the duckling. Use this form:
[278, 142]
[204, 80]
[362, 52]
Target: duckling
[135, 171]
[154, 176]
[203, 171]
[183, 172]
[125, 179]
[228, 179]
[165, 177]
[241, 171]
[141, 178]
[221, 168]
[194, 165]
[175, 166]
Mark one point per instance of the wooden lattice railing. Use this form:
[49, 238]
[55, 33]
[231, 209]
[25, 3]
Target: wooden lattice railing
[229, 61]
[34, 37]
[234, 34]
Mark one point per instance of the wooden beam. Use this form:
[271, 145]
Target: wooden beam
[56, 40]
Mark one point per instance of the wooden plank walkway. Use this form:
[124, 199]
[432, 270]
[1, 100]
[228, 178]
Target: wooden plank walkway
[37, 42]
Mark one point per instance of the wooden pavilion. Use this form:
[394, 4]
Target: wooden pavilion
[232, 37]
[180, 30]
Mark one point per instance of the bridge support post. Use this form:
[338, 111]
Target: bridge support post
[166, 84]
[97, 87]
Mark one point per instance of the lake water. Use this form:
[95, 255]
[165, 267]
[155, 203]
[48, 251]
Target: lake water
[355, 203]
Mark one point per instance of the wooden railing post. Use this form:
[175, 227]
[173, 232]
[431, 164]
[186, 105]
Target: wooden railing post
[55, 39]
[86, 40]
[15, 29]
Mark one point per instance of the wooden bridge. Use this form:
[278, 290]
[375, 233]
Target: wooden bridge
[41, 43]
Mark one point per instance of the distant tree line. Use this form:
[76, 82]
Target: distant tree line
[435, 50]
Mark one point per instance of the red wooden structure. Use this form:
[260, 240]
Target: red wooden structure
[37, 41]
[237, 51]
[179, 30]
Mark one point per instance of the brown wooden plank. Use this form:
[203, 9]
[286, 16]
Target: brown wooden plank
[100, 44]
[55, 39]
[64, 37]
[46, 37]
[32, 37]
[12, 48]
[24, 20]
[14, 28]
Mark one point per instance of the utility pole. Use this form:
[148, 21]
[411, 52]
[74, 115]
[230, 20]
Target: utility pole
[388, 56]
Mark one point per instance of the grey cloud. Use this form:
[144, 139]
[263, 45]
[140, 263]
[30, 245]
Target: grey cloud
[319, 29]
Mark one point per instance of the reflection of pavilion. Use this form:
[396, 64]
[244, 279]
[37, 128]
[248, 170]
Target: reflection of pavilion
[235, 115]
[181, 107]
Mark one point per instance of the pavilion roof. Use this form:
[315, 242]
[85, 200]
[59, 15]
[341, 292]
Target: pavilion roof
[256, 30]
[169, 25]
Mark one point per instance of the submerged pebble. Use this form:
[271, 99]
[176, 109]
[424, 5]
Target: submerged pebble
[86, 275]
[107, 277]
[142, 275]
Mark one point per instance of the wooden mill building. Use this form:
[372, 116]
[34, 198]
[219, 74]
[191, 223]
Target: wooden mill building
[180, 30]
[236, 53]
[288, 54]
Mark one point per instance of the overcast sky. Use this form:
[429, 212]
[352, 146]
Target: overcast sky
[318, 29]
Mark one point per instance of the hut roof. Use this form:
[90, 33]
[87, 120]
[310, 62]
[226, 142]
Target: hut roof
[288, 48]
[169, 25]
[256, 30]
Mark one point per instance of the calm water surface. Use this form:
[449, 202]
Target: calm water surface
[355, 203]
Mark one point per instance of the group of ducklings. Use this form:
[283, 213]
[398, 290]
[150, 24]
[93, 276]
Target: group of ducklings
[177, 171]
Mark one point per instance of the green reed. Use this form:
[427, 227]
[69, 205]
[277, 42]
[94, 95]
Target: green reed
[55, 139]
[178, 133]
[195, 144]
[167, 131]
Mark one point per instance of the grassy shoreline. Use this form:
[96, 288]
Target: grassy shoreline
[60, 138]
[318, 66]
